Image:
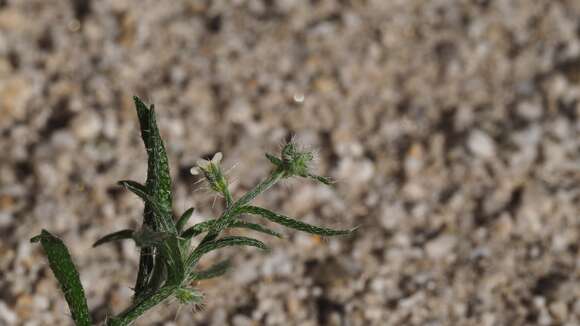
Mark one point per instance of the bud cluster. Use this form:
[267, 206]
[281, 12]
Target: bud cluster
[294, 162]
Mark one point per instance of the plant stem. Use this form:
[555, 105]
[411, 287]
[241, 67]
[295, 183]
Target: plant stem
[231, 212]
[258, 189]
[139, 308]
[228, 197]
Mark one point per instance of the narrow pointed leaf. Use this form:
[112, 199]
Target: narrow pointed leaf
[67, 275]
[197, 229]
[163, 219]
[158, 185]
[276, 161]
[115, 236]
[255, 227]
[182, 221]
[221, 243]
[292, 223]
[149, 238]
[170, 250]
[216, 270]
[158, 176]
[158, 276]
[327, 181]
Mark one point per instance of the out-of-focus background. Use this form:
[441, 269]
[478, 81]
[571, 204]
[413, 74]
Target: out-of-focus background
[452, 128]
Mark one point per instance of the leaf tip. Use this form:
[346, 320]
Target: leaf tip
[37, 238]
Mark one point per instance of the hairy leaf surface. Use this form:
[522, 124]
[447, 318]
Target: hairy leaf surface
[67, 275]
[255, 227]
[204, 248]
[216, 270]
[292, 223]
[182, 221]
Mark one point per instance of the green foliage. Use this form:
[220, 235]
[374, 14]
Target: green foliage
[255, 227]
[216, 270]
[187, 295]
[115, 236]
[209, 246]
[197, 229]
[161, 218]
[149, 300]
[182, 221]
[158, 186]
[67, 275]
[292, 223]
[168, 262]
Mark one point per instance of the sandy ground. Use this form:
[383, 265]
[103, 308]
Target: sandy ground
[451, 126]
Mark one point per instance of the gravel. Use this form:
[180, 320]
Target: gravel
[452, 129]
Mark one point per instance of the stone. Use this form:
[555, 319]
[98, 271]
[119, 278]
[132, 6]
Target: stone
[87, 125]
[7, 315]
[481, 144]
[441, 247]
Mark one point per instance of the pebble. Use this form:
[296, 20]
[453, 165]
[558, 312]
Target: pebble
[7, 315]
[530, 111]
[441, 247]
[560, 310]
[430, 116]
[87, 125]
[6, 219]
[14, 94]
[24, 306]
[481, 144]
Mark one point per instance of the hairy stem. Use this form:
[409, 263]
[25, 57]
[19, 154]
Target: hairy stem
[137, 309]
[258, 189]
[228, 196]
[231, 212]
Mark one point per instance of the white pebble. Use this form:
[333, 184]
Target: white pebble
[440, 247]
[481, 144]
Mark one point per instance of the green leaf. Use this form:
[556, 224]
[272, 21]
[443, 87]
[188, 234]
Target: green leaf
[276, 161]
[149, 238]
[67, 275]
[162, 219]
[158, 176]
[197, 229]
[170, 250]
[158, 185]
[115, 236]
[292, 223]
[255, 227]
[327, 181]
[216, 270]
[182, 221]
[221, 243]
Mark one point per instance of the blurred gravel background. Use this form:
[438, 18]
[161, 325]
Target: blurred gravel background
[451, 126]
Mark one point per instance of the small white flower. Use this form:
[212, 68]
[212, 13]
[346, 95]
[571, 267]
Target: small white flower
[203, 165]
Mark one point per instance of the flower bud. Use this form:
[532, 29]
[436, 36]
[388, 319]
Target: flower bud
[294, 162]
[212, 172]
[187, 295]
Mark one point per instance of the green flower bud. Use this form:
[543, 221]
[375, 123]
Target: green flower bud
[296, 163]
[187, 295]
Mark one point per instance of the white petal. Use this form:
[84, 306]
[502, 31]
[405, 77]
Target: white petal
[203, 164]
[194, 171]
[217, 158]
